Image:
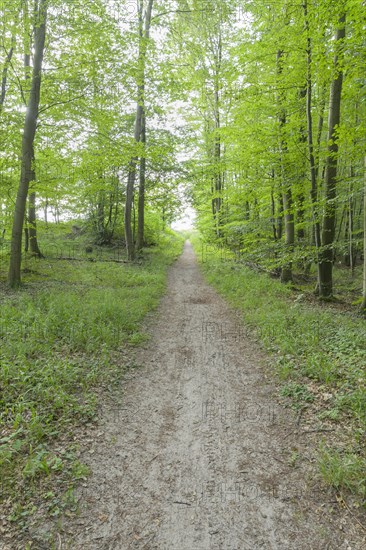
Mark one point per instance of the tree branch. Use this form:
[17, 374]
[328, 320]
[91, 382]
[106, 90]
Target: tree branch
[60, 103]
[176, 11]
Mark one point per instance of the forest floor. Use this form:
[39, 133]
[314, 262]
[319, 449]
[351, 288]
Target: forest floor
[197, 452]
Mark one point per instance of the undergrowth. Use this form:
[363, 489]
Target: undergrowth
[63, 337]
[311, 344]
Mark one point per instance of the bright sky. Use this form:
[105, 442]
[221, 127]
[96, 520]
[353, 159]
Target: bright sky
[186, 222]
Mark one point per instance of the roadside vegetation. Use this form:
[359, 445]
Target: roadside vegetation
[318, 351]
[65, 341]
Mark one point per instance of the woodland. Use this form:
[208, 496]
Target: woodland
[117, 117]
[252, 112]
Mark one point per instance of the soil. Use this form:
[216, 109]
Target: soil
[199, 453]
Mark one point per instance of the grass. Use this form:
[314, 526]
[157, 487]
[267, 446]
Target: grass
[299, 393]
[319, 353]
[63, 337]
[344, 470]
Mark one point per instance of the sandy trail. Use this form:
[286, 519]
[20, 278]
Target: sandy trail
[198, 455]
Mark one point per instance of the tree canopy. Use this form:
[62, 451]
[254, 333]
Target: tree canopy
[256, 110]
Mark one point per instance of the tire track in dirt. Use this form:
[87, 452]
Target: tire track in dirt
[197, 455]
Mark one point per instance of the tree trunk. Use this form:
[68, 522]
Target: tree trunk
[300, 218]
[26, 239]
[351, 250]
[141, 201]
[32, 225]
[4, 79]
[30, 220]
[286, 272]
[130, 245]
[273, 210]
[309, 117]
[280, 219]
[33, 241]
[363, 305]
[329, 220]
[217, 201]
[30, 126]
[144, 36]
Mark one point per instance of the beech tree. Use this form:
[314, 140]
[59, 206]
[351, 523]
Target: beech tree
[31, 224]
[329, 221]
[4, 78]
[263, 105]
[29, 132]
[144, 22]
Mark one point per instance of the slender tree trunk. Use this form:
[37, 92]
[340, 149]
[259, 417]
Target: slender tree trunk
[141, 201]
[143, 39]
[130, 245]
[280, 218]
[344, 214]
[4, 79]
[351, 248]
[363, 305]
[300, 217]
[286, 272]
[329, 220]
[29, 132]
[100, 221]
[133, 222]
[32, 218]
[32, 226]
[273, 209]
[31, 236]
[320, 133]
[26, 239]
[217, 146]
[309, 117]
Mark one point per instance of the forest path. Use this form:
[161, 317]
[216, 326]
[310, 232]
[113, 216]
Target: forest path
[200, 455]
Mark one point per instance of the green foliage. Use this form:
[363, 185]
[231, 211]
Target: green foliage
[344, 471]
[308, 343]
[261, 81]
[61, 343]
[299, 394]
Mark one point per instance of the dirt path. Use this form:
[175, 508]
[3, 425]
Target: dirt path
[200, 456]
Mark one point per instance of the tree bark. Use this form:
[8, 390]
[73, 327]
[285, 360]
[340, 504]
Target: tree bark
[279, 218]
[26, 239]
[363, 305]
[141, 201]
[32, 226]
[329, 220]
[273, 210]
[286, 272]
[310, 140]
[300, 217]
[30, 126]
[351, 248]
[143, 38]
[4, 79]
[217, 176]
[30, 220]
